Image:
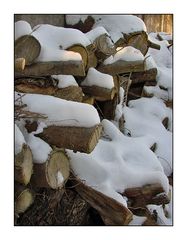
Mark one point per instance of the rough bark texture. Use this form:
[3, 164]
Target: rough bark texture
[53, 68]
[42, 212]
[23, 165]
[99, 93]
[76, 138]
[46, 174]
[122, 67]
[145, 76]
[112, 212]
[27, 47]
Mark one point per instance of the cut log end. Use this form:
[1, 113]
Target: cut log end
[19, 64]
[23, 199]
[53, 173]
[23, 165]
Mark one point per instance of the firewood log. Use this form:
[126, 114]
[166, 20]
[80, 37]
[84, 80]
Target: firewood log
[88, 99]
[82, 51]
[42, 211]
[111, 211]
[53, 68]
[76, 138]
[122, 67]
[53, 173]
[153, 45]
[19, 64]
[42, 86]
[99, 93]
[104, 48]
[92, 59]
[145, 76]
[27, 47]
[23, 198]
[23, 166]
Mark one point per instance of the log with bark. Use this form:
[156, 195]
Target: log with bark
[27, 47]
[88, 99]
[23, 165]
[53, 173]
[148, 194]
[121, 66]
[145, 76]
[99, 93]
[43, 211]
[111, 211]
[92, 59]
[71, 67]
[76, 138]
[48, 86]
[153, 45]
[19, 64]
[104, 47]
[138, 40]
[23, 198]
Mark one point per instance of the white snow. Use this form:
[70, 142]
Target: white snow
[126, 54]
[118, 164]
[61, 112]
[157, 92]
[39, 148]
[144, 117]
[150, 62]
[54, 40]
[65, 80]
[60, 178]
[73, 19]
[19, 140]
[22, 28]
[137, 221]
[96, 78]
[116, 25]
[96, 32]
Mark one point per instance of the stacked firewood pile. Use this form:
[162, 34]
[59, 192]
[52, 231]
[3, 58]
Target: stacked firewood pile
[48, 192]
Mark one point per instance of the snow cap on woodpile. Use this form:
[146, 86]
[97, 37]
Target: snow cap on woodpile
[96, 32]
[61, 112]
[54, 40]
[96, 78]
[22, 28]
[119, 162]
[126, 54]
[65, 80]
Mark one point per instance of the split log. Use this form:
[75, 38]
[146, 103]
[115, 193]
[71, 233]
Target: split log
[122, 67]
[27, 47]
[53, 173]
[141, 196]
[112, 212]
[145, 76]
[104, 47]
[23, 198]
[82, 51]
[99, 93]
[43, 210]
[75, 68]
[76, 138]
[88, 100]
[150, 83]
[23, 166]
[43, 86]
[19, 64]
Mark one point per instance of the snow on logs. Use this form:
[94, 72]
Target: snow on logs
[76, 126]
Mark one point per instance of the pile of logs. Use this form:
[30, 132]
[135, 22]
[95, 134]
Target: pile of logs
[40, 197]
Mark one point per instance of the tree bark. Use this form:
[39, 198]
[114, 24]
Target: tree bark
[76, 138]
[23, 165]
[75, 68]
[27, 47]
[145, 76]
[49, 174]
[112, 212]
[122, 67]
